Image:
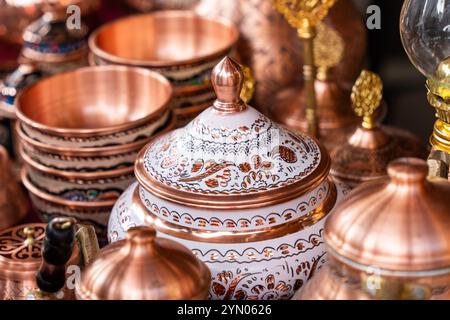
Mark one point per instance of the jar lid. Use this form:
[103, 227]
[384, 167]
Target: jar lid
[396, 224]
[20, 248]
[231, 155]
[145, 267]
[371, 147]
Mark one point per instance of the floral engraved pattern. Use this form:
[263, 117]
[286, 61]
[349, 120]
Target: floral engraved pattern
[253, 157]
[302, 209]
[252, 254]
[13, 244]
[274, 283]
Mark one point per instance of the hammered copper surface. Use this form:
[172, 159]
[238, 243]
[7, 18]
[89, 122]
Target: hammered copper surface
[145, 267]
[94, 100]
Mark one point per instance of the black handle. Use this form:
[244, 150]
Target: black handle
[56, 252]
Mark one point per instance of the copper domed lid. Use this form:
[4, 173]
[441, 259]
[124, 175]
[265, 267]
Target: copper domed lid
[368, 151]
[20, 250]
[396, 224]
[145, 267]
[231, 155]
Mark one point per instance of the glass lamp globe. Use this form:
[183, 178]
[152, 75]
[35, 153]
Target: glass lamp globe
[425, 33]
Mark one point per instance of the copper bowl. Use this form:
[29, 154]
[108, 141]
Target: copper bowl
[34, 162]
[101, 103]
[83, 152]
[34, 190]
[181, 45]
[47, 206]
[97, 188]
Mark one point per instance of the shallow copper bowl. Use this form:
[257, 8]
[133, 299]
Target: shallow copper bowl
[94, 102]
[169, 42]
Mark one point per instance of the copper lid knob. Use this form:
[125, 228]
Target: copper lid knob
[407, 171]
[400, 224]
[145, 267]
[228, 79]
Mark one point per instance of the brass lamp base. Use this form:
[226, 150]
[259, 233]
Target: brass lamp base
[439, 158]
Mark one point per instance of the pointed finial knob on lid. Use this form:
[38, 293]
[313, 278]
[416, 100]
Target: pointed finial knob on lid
[227, 79]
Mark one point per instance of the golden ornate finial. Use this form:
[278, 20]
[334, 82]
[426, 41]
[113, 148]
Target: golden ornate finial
[248, 89]
[304, 15]
[366, 96]
[328, 49]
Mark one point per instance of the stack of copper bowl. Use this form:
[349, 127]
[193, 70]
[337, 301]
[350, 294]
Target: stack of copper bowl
[80, 133]
[181, 45]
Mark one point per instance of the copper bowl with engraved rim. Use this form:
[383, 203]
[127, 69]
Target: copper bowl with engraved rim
[48, 206]
[181, 45]
[94, 106]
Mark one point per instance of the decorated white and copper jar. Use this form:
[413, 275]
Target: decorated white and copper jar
[247, 196]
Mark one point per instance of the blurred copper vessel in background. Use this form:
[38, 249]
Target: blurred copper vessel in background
[145, 267]
[150, 5]
[16, 15]
[274, 52]
[50, 46]
[389, 239]
[339, 52]
[13, 202]
[180, 45]
[365, 154]
[272, 49]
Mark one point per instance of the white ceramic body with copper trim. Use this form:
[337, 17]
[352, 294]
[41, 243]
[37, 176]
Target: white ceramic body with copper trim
[268, 269]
